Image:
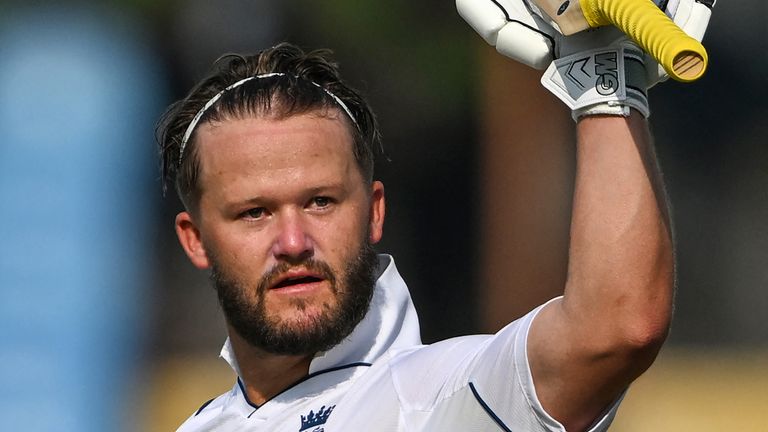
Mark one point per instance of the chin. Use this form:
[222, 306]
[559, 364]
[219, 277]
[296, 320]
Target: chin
[306, 303]
[304, 315]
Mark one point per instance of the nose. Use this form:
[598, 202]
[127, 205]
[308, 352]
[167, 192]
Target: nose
[293, 242]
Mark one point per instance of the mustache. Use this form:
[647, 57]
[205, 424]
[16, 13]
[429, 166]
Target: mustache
[271, 276]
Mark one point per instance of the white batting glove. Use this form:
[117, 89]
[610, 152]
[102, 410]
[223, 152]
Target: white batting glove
[597, 71]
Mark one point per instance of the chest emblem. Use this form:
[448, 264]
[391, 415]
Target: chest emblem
[314, 421]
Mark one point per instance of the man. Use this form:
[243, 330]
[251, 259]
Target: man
[272, 156]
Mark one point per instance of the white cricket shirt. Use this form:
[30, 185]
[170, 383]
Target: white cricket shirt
[382, 379]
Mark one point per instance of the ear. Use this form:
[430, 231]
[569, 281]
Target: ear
[189, 237]
[378, 207]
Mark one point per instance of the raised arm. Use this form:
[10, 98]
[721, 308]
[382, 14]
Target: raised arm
[585, 349]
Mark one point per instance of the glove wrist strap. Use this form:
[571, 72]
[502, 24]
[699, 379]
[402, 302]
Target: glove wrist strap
[607, 81]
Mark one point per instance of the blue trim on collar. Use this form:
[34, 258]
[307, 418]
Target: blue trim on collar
[305, 378]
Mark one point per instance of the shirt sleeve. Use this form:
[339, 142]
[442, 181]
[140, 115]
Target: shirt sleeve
[491, 365]
[485, 380]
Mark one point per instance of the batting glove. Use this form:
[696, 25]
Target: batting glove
[597, 71]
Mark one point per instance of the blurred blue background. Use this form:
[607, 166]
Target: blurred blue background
[105, 326]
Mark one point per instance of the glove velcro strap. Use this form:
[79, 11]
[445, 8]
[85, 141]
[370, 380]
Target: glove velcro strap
[606, 81]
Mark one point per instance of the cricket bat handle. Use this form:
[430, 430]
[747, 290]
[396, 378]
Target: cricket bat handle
[683, 57]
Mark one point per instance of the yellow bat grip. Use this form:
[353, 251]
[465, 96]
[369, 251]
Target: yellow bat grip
[683, 57]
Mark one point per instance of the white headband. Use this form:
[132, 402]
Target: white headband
[196, 119]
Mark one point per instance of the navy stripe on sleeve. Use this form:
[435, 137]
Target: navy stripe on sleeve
[488, 409]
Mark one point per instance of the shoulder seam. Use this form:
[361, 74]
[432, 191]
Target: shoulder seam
[202, 407]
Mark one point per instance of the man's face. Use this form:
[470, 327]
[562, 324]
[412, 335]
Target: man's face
[286, 223]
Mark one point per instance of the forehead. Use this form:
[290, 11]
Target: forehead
[311, 144]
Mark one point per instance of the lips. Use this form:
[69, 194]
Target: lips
[296, 279]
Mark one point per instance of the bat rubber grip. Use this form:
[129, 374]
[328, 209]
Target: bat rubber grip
[683, 57]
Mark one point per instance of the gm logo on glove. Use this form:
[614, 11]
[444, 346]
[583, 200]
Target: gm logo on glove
[606, 68]
[600, 68]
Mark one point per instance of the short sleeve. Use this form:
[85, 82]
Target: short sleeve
[499, 384]
[477, 383]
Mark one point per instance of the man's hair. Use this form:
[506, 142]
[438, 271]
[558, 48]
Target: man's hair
[302, 83]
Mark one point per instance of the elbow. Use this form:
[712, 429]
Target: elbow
[647, 323]
[647, 336]
[640, 338]
[639, 352]
[640, 325]
[646, 311]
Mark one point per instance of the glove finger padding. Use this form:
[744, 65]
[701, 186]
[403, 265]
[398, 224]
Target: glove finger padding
[512, 28]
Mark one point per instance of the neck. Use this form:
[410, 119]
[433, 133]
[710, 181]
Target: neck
[265, 375]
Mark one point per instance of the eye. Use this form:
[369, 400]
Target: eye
[321, 202]
[253, 214]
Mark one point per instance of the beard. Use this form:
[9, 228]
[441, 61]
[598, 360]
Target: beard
[352, 291]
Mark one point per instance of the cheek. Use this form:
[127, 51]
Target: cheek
[344, 237]
[239, 253]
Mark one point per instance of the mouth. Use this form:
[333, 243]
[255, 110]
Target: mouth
[298, 281]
